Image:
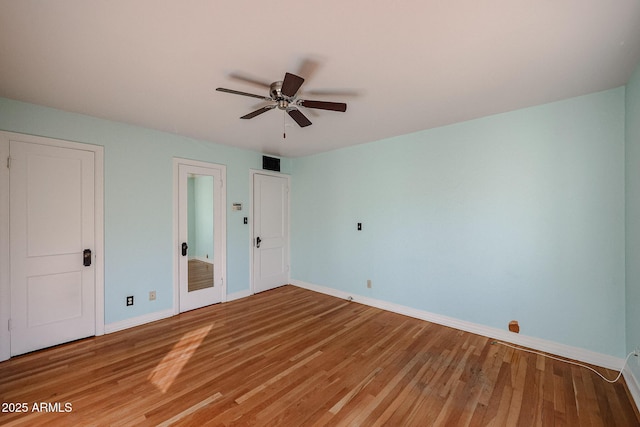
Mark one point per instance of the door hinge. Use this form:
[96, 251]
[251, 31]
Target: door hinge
[9, 162]
[9, 324]
[222, 183]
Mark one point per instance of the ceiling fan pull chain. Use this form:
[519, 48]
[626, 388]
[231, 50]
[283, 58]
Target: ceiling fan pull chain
[284, 127]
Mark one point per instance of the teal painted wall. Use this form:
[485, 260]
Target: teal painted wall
[200, 216]
[203, 218]
[633, 216]
[191, 212]
[514, 216]
[139, 200]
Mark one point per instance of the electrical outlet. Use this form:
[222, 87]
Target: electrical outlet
[152, 295]
[130, 300]
[369, 283]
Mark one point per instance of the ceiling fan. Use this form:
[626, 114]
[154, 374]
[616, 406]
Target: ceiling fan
[283, 95]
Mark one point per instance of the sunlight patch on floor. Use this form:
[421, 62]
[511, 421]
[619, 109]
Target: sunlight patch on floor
[168, 369]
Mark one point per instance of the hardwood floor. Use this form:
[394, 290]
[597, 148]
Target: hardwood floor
[200, 275]
[292, 357]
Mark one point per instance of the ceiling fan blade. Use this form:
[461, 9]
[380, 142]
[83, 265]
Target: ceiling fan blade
[324, 105]
[300, 118]
[332, 92]
[308, 68]
[291, 84]
[237, 92]
[258, 112]
[249, 79]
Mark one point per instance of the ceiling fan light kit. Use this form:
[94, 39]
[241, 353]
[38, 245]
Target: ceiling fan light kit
[283, 94]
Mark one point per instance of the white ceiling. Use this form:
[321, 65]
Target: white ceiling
[404, 66]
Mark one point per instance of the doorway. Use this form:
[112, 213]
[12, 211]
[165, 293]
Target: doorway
[270, 230]
[200, 237]
[53, 292]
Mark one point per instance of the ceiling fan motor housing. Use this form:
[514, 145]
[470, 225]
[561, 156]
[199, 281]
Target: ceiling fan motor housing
[276, 90]
[276, 94]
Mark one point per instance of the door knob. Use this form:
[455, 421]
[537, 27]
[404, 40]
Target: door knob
[86, 257]
[184, 248]
[258, 240]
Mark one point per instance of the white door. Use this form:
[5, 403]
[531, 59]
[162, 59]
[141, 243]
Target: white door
[270, 231]
[201, 231]
[52, 230]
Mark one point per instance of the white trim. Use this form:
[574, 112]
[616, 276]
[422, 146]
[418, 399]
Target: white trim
[270, 173]
[5, 285]
[177, 161]
[238, 295]
[252, 173]
[575, 353]
[176, 238]
[99, 226]
[632, 383]
[158, 315]
[137, 321]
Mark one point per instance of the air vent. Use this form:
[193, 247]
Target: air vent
[271, 163]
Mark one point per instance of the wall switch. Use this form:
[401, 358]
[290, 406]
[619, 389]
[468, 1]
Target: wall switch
[359, 226]
[152, 296]
[369, 284]
[130, 300]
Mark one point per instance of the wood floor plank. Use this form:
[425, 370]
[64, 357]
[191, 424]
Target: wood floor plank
[292, 357]
[200, 275]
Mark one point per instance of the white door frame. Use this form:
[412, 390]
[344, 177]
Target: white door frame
[176, 226]
[5, 283]
[252, 173]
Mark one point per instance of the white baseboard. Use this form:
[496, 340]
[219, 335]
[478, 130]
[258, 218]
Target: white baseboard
[158, 315]
[137, 321]
[632, 383]
[575, 353]
[238, 295]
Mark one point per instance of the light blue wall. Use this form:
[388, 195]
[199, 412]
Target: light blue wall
[633, 215]
[203, 221]
[200, 216]
[138, 200]
[514, 216]
[191, 212]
